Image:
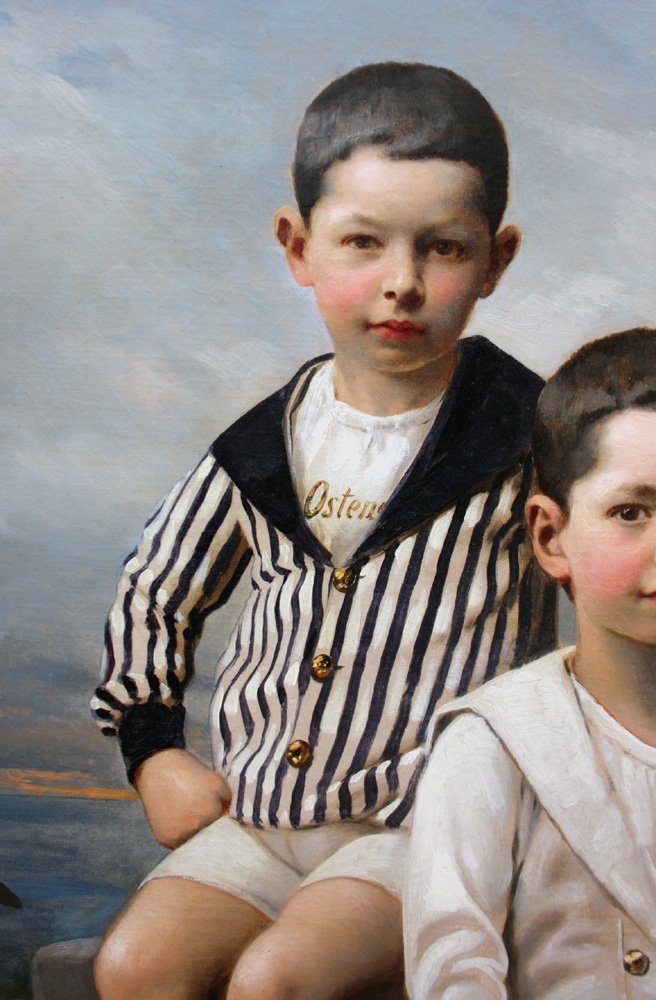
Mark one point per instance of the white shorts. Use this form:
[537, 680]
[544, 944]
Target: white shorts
[266, 867]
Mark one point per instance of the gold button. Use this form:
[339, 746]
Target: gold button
[344, 578]
[321, 667]
[299, 754]
[636, 962]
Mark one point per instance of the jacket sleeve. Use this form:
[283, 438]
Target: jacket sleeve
[189, 559]
[535, 630]
[461, 867]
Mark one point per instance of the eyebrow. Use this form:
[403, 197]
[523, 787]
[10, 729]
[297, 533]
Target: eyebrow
[639, 492]
[362, 220]
[645, 492]
[432, 229]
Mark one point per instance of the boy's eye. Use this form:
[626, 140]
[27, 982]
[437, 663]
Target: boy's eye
[631, 512]
[361, 242]
[450, 249]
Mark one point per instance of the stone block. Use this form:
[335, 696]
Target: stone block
[63, 971]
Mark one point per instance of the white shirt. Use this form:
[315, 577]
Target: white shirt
[346, 463]
[631, 766]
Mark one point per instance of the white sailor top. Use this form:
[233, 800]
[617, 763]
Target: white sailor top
[531, 873]
[325, 697]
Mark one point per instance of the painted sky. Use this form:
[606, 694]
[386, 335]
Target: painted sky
[144, 149]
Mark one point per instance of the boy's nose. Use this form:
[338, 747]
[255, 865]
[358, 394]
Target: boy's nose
[403, 281]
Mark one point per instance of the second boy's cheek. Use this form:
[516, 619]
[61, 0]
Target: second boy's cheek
[607, 573]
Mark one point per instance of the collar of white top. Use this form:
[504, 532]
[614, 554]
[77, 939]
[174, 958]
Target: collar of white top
[324, 385]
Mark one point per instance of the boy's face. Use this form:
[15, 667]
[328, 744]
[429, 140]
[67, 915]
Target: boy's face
[606, 548]
[398, 252]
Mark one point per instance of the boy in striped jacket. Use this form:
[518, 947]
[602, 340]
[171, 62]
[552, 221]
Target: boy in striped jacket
[376, 503]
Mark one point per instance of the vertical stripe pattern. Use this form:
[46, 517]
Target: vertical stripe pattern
[430, 616]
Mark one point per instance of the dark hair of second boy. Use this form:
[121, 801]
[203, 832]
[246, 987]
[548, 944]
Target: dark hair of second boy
[606, 376]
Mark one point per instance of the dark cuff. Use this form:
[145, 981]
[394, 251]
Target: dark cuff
[145, 729]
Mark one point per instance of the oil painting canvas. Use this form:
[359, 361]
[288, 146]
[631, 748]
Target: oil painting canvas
[147, 304]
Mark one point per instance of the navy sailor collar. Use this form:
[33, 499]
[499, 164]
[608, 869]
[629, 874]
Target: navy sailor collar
[482, 428]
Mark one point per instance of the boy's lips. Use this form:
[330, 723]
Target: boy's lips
[395, 329]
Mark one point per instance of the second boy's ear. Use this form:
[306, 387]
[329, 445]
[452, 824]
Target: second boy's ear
[504, 248]
[546, 521]
[291, 233]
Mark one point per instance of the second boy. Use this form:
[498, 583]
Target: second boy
[532, 868]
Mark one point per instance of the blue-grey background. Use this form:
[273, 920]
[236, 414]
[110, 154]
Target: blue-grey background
[144, 147]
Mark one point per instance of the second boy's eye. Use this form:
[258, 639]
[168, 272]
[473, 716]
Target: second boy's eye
[631, 512]
[448, 249]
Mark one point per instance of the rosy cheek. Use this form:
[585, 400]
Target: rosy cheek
[610, 574]
[341, 298]
[453, 286]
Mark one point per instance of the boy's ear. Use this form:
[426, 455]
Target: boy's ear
[546, 521]
[504, 247]
[291, 233]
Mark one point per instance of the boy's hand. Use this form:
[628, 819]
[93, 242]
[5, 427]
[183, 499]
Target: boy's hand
[180, 795]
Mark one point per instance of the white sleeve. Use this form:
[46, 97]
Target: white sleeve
[461, 867]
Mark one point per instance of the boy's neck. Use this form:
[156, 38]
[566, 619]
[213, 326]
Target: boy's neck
[621, 675]
[383, 394]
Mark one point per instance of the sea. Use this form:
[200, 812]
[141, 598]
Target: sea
[72, 863]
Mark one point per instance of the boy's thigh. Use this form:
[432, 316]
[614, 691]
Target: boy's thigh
[354, 931]
[176, 938]
[336, 938]
[340, 934]
[181, 934]
[333, 893]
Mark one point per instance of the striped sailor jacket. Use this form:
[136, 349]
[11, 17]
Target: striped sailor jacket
[325, 698]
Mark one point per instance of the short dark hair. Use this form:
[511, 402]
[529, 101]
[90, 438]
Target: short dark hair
[415, 112]
[606, 376]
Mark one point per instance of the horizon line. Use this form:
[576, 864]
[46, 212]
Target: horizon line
[66, 784]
